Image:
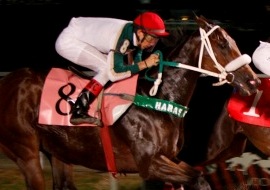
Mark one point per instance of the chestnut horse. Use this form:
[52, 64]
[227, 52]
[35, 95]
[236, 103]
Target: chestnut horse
[144, 141]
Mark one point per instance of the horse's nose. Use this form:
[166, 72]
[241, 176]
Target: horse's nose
[255, 82]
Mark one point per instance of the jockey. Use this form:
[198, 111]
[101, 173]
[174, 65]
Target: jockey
[261, 57]
[110, 47]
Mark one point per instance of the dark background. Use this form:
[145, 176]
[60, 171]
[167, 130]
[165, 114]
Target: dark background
[29, 28]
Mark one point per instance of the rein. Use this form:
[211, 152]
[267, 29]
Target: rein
[204, 44]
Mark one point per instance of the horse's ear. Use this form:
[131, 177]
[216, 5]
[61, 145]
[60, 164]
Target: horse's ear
[202, 17]
[195, 15]
[202, 21]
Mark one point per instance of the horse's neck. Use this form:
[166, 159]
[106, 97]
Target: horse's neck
[179, 85]
[171, 45]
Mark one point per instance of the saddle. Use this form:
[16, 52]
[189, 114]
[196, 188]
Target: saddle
[60, 91]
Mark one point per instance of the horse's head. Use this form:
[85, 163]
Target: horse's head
[219, 53]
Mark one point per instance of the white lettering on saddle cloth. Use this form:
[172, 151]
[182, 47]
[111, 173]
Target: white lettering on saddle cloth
[253, 109]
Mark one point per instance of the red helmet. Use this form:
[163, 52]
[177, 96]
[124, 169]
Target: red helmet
[151, 23]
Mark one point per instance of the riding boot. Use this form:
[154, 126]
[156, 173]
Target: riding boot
[81, 106]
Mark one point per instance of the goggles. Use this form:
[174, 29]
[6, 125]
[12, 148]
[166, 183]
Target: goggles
[151, 39]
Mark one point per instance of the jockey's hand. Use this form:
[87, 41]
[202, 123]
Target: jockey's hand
[152, 60]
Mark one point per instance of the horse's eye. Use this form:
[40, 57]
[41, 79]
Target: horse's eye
[223, 43]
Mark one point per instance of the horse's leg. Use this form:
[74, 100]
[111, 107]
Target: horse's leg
[28, 163]
[153, 165]
[62, 174]
[163, 168]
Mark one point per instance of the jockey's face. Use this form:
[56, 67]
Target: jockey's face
[146, 41]
[151, 39]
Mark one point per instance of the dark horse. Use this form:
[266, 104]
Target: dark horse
[227, 137]
[144, 141]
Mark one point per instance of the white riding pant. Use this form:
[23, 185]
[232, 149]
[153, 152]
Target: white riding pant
[83, 54]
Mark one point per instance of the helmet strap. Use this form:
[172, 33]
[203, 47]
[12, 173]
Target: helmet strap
[151, 49]
[142, 40]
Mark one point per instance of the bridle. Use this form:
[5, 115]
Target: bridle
[225, 75]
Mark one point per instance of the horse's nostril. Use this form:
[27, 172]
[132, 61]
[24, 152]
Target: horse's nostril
[254, 82]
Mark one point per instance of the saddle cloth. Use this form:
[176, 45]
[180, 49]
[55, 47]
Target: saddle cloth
[62, 85]
[253, 109]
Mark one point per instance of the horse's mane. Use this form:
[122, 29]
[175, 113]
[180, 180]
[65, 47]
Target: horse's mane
[177, 38]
